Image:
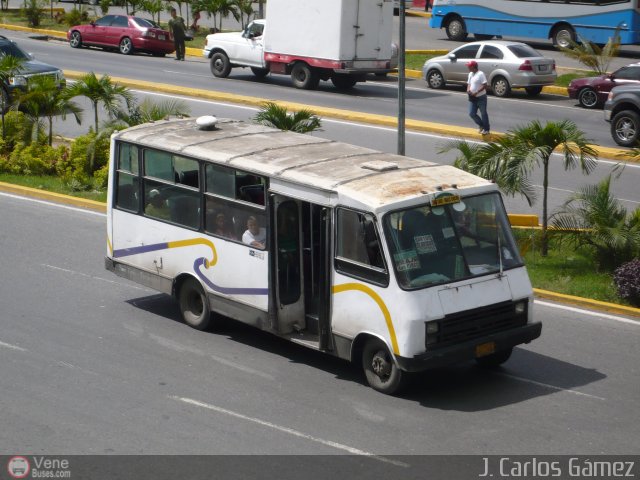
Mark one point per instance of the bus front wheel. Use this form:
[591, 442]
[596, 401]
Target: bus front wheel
[194, 304]
[379, 368]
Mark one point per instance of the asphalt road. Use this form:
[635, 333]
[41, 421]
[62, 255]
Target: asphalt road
[92, 364]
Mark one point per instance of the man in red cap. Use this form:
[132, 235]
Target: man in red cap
[477, 91]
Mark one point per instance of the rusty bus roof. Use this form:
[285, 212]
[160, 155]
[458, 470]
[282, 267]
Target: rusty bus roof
[365, 175]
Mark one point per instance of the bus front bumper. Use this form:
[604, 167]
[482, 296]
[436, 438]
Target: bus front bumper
[467, 351]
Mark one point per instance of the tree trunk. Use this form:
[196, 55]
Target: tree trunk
[545, 186]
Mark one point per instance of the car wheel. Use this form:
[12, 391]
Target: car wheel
[495, 359]
[75, 40]
[625, 128]
[303, 76]
[126, 47]
[194, 304]
[435, 79]
[220, 65]
[500, 87]
[260, 72]
[563, 36]
[379, 368]
[456, 30]
[588, 98]
[533, 91]
[343, 82]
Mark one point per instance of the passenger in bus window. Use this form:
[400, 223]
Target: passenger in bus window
[222, 227]
[255, 235]
[157, 207]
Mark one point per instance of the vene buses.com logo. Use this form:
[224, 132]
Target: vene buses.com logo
[18, 467]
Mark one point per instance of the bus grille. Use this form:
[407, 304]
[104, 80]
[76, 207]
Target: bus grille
[471, 324]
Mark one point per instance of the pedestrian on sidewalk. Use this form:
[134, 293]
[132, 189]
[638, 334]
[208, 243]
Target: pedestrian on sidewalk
[477, 91]
[427, 5]
[178, 30]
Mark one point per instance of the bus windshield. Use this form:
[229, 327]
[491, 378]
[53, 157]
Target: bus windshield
[435, 245]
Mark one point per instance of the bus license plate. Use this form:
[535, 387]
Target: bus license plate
[485, 349]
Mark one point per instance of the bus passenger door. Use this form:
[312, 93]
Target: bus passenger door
[301, 275]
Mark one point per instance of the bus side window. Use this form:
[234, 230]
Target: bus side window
[358, 250]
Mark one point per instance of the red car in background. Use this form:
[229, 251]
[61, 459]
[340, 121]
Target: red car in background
[592, 92]
[122, 32]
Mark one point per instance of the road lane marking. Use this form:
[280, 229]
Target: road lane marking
[52, 204]
[290, 431]
[12, 347]
[589, 312]
[546, 385]
[93, 277]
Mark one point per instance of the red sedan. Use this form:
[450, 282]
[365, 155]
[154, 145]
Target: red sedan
[126, 33]
[592, 92]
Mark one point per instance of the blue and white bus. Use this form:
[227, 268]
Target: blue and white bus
[559, 20]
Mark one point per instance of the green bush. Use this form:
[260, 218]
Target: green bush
[89, 154]
[75, 17]
[33, 11]
[34, 159]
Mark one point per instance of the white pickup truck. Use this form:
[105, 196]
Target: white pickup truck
[311, 40]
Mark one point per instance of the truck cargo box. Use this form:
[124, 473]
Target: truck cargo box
[344, 30]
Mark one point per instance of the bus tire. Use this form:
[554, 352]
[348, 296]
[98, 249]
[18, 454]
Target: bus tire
[220, 65]
[456, 29]
[563, 36]
[304, 77]
[435, 79]
[194, 304]
[500, 86]
[495, 359]
[381, 372]
[625, 128]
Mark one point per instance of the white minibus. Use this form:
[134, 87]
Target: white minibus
[393, 263]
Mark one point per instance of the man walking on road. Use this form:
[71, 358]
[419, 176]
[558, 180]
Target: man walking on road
[477, 91]
[178, 30]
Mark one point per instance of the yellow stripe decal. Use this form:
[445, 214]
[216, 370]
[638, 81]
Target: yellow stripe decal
[109, 246]
[197, 241]
[345, 287]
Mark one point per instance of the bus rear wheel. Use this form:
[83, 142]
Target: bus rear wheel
[563, 36]
[194, 304]
[456, 29]
[380, 370]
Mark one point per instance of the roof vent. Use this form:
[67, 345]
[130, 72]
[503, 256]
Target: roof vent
[380, 165]
[206, 122]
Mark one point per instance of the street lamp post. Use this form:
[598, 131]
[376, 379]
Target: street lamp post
[401, 80]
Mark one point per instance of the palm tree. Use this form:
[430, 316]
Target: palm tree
[244, 9]
[45, 99]
[593, 217]
[510, 160]
[273, 115]
[101, 91]
[596, 58]
[10, 66]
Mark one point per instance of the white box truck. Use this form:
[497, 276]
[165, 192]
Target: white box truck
[311, 40]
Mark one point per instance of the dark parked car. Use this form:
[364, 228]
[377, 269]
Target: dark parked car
[622, 109]
[31, 68]
[592, 92]
[122, 32]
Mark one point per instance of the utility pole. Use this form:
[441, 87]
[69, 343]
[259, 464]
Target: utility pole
[401, 80]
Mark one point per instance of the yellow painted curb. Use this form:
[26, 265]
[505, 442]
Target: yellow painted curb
[53, 197]
[522, 220]
[586, 302]
[53, 33]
